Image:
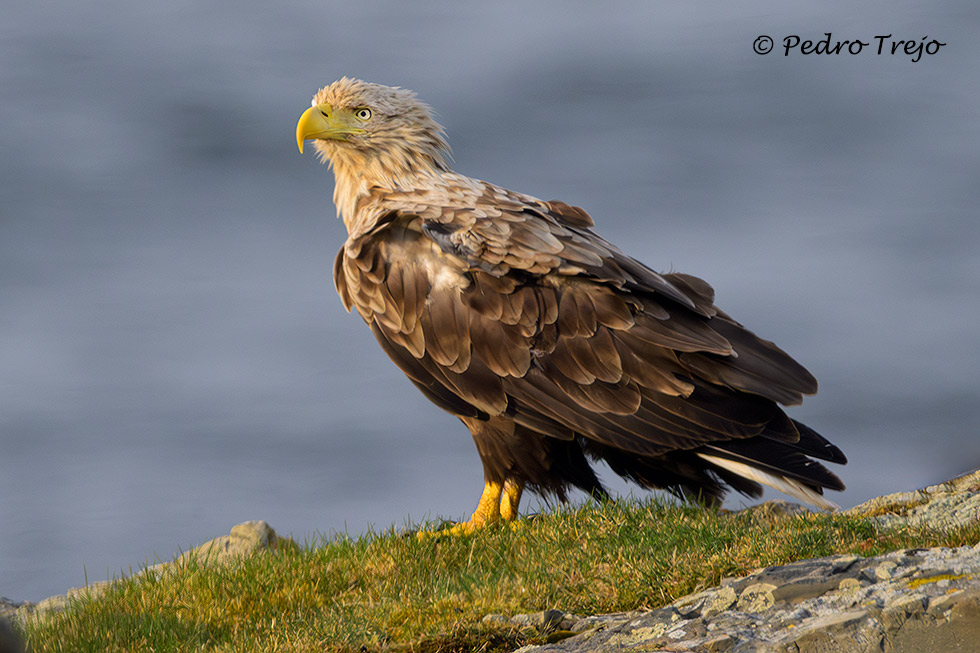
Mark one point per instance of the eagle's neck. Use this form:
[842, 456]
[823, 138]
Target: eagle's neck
[362, 174]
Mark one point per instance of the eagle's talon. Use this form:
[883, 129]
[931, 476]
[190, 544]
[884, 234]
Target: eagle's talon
[498, 504]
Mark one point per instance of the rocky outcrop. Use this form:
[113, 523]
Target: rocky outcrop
[947, 505]
[914, 600]
[244, 540]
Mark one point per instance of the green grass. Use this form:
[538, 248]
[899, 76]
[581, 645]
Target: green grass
[395, 592]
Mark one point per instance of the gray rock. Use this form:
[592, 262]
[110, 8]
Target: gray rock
[244, 540]
[496, 619]
[926, 599]
[545, 621]
[719, 601]
[756, 598]
[602, 621]
[947, 505]
[8, 607]
[907, 601]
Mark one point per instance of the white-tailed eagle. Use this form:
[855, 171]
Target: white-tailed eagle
[552, 346]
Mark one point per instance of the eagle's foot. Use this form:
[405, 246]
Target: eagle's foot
[498, 503]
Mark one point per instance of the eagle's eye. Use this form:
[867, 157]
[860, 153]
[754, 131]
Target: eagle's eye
[363, 114]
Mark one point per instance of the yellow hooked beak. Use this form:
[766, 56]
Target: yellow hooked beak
[322, 121]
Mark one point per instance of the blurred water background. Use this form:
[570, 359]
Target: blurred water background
[174, 360]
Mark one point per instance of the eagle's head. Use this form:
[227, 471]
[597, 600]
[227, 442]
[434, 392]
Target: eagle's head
[364, 127]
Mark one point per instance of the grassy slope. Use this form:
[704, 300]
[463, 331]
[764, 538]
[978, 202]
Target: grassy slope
[393, 591]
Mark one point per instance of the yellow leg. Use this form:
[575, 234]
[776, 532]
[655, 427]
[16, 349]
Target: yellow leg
[498, 501]
[510, 500]
[488, 510]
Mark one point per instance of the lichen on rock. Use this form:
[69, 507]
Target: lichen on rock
[907, 601]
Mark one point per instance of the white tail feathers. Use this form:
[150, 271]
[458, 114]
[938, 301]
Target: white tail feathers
[785, 485]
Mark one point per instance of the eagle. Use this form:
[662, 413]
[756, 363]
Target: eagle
[551, 345]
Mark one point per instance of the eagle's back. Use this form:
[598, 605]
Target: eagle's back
[507, 307]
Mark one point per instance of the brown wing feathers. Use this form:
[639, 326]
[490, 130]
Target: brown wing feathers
[517, 310]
